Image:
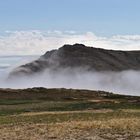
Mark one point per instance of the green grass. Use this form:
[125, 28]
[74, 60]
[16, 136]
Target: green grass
[53, 118]
[14, 102]
[10, 107]
[17, 102]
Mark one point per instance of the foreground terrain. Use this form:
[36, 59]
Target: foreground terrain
[45, 114]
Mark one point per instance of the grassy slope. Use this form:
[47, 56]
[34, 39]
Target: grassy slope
[81, 110]
[41, 99]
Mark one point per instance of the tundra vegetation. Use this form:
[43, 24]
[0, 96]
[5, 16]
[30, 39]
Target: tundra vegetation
[40, 113]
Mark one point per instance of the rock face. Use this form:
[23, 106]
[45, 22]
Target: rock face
[81, 56]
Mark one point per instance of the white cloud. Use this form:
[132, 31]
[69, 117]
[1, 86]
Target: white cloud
[38, 42]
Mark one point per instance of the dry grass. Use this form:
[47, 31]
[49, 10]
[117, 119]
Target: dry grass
[74, 130]
[65, 112]
[131, 110]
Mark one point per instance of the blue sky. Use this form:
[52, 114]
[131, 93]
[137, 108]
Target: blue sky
[103, 17]
[30, 27]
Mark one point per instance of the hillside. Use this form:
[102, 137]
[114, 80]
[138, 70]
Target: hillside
[80, 56]
[64, 114]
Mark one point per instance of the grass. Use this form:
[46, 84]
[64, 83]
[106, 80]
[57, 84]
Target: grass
[11, 107]
[113, 125]
[68, 114]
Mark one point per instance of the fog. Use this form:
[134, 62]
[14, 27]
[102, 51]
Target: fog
[125, 82]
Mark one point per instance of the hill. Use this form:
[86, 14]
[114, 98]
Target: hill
[81, 56]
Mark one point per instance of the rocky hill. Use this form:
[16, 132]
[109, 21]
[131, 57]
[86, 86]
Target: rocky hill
[81, 56]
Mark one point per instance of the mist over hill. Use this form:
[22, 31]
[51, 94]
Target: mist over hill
[82, 67]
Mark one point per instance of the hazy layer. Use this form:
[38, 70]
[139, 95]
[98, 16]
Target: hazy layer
[125, 82]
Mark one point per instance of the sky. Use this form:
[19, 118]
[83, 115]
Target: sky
[35, 26]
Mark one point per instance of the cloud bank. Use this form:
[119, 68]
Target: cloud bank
[125, 82]
[38, 42]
